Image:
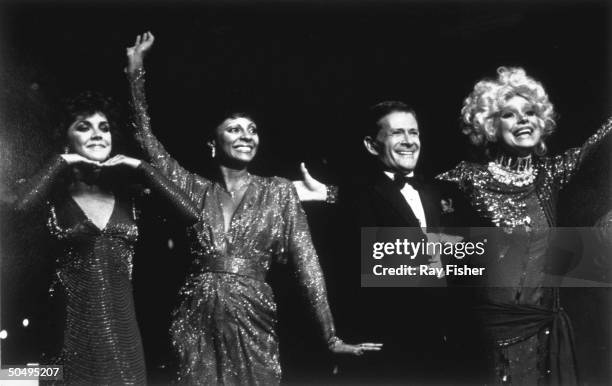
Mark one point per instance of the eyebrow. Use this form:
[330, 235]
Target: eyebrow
[404, 128]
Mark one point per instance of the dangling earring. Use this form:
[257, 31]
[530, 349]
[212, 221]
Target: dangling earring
[212, 149]
[541, 149]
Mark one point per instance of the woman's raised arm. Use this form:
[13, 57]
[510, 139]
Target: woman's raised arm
[157, 154]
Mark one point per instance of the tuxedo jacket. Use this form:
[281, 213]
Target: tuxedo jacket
[410, 321]
[413, 323]
[380, 203]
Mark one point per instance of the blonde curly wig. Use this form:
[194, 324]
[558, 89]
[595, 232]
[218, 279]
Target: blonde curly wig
[481, 108]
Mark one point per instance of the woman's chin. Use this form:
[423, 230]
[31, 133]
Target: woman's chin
[519, 150]
[96, 157]
[236, 162]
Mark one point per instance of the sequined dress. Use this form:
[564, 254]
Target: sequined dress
[529, 332]
[224, 327]
[92, 290]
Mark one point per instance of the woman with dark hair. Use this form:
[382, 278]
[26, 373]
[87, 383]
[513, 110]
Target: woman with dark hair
[224, 326]
[90, 197]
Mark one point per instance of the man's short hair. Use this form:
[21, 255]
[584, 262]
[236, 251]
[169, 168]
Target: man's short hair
[376, 112]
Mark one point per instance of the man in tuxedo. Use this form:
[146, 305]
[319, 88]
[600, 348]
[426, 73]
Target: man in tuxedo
[394, 196]
[410, 321]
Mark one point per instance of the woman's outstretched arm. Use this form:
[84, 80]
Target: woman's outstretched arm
[310, 275]
[163, 187]
[564, 166]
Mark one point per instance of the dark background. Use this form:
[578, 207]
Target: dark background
[307, 70]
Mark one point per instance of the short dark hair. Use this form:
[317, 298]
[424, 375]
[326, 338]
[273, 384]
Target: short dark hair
[376, 112]
[227, 114]
[87, 103]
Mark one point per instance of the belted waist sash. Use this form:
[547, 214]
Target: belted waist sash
[509, 323]
[243, 267]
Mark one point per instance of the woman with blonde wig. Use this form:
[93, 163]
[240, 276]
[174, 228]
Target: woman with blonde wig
[516, 191]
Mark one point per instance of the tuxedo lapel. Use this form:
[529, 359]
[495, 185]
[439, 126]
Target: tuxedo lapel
[390, 193]
[430, 202]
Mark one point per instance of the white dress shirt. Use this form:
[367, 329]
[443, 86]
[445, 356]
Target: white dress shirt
[411, 195]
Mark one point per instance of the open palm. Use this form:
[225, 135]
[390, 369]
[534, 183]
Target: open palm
[136, 53]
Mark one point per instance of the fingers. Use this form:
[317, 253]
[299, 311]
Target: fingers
[114, 161]
[138, 41]
[92, 162]
[304, 171]
[143, 41]
[121, 159]
[370, 346]
[149, 37]
[367, 348]
[74, 158]
[358, 349]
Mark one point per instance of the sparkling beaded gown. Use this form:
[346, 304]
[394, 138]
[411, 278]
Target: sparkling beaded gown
[92, 288]
[528, 331]
[224, 327]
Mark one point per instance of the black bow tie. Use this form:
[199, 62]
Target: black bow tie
[401, 180]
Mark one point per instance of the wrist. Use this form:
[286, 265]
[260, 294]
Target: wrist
[69, 159]
[333, 342]
[61, 160]
[135, 72]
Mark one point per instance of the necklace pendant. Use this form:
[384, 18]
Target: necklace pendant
[512, 176]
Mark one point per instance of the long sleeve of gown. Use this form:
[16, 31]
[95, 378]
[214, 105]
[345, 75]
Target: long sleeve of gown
[306, 262]
[167, 190]
[157, 154]
[36, 189]
[565, 165]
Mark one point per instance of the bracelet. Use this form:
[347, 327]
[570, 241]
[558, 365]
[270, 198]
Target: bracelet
[332, 194]
[136, 75]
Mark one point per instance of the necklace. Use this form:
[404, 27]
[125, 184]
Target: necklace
[233, 192]
[512, 171]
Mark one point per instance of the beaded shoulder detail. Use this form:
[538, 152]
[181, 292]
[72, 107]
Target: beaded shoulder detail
[462, 173]
[500, 202]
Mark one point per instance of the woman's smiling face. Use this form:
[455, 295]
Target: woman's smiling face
[519, 126]
[237, 139]
[90, 136]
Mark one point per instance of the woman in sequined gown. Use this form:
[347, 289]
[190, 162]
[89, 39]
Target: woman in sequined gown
[528, 332]
[90, 200]
[224, 326]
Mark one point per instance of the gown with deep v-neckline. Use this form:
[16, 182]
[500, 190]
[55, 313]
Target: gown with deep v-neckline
[83, 210]
[92, 290]
[93, 279]
[224, 327]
